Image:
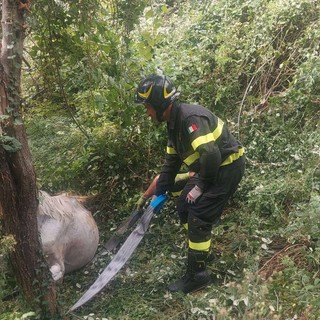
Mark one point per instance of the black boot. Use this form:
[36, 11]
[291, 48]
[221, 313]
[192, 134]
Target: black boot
[196, 277]
[210, 259]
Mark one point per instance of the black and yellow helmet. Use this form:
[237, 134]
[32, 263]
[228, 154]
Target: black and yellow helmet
[158, 91]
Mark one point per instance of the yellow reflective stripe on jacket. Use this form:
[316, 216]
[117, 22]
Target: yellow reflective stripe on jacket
[212, 136]
[182, 176]
[192, 158]
[200, 246]
[185, 225]
[176, 193]
[233, 157]
[218, 130]
[179, 177]
[171, 150]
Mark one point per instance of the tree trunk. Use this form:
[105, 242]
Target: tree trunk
[18, 191]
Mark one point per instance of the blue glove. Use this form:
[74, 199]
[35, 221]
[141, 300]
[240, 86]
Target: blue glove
[158, 202]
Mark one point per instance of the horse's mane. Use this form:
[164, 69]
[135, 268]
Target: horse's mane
[58, 207]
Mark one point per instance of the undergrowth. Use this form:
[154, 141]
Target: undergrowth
[266, 247]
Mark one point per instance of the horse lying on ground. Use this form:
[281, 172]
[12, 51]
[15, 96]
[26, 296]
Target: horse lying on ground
[69, 234]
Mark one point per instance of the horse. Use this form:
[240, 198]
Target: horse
[69, 234]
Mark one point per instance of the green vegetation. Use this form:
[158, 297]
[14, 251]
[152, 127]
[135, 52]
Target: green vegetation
[257, 65]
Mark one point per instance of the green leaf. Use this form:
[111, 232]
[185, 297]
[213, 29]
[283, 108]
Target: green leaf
[164, 9]
[18, 122]
[4, 117]
[149, 13]
[10, 144]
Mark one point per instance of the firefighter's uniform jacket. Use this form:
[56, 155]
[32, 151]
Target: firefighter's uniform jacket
[202, 141]
[199, 139]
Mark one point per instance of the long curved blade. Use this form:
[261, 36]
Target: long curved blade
[119, 259]
[125, 225]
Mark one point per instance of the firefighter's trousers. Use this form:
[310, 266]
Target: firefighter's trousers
[207, 210]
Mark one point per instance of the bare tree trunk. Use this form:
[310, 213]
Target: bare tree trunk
[18, 191]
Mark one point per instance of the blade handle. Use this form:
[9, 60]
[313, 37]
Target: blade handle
[158, 203]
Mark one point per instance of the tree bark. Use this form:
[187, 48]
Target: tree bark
[18, 191]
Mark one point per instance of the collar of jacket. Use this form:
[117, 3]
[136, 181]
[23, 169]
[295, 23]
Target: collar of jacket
[173, 116]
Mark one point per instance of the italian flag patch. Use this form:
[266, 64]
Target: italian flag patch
[192, 128]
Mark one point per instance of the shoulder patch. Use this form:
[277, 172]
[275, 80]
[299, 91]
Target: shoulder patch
[192, 128]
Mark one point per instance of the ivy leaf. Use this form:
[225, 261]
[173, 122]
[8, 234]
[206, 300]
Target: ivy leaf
[17, 122]
[4, 117]
[10, 144]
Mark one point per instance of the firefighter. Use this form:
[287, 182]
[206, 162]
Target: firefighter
[202, 141]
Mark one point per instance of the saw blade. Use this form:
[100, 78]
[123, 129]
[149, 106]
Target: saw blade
[119, 259]
[114, 241]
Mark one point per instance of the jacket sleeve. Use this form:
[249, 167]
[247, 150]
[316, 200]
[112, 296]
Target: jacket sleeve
[202, 138]
[169, 170]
